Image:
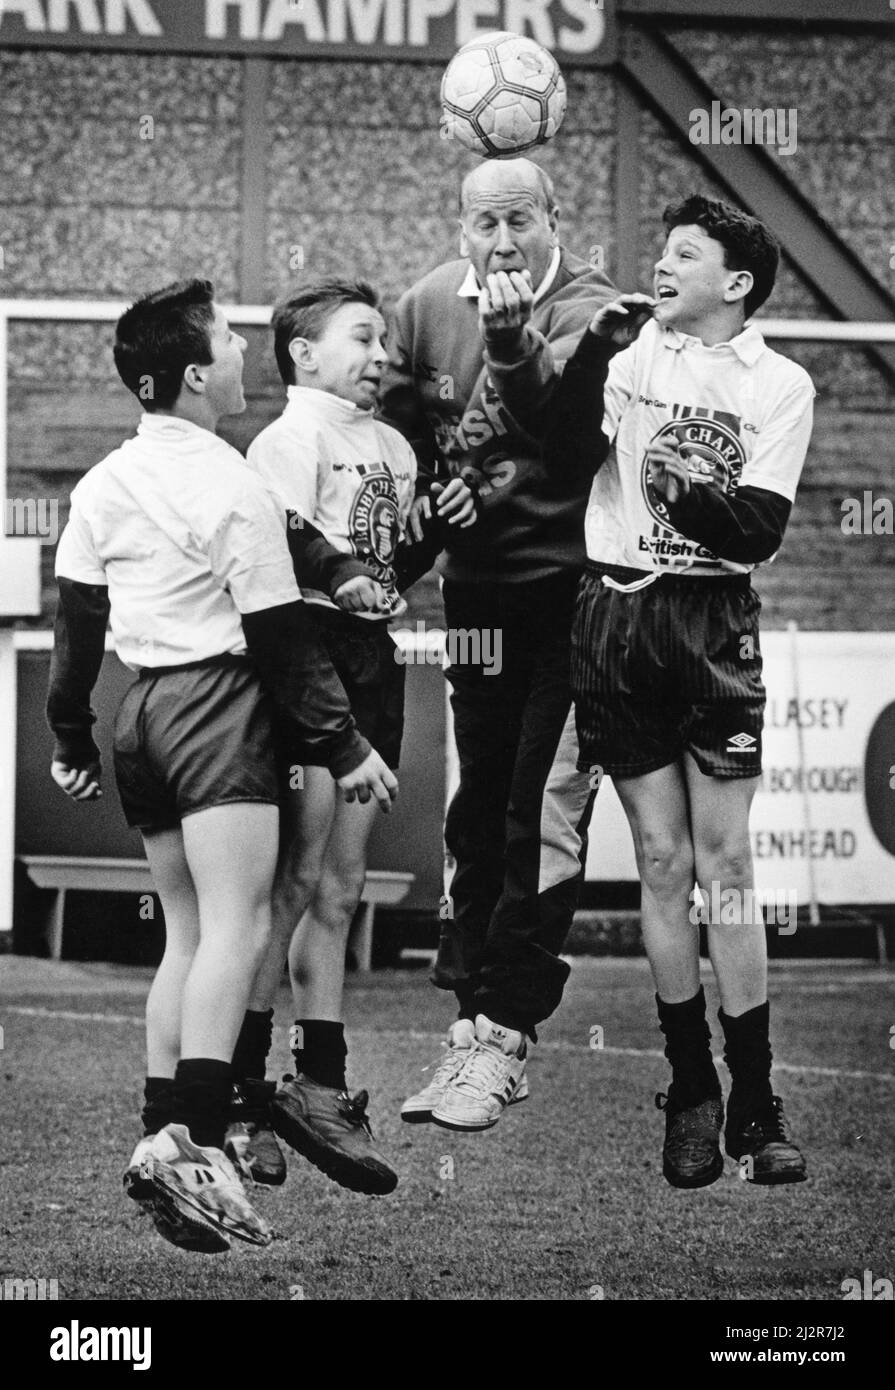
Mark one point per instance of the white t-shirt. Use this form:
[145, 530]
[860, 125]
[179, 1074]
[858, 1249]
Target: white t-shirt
[345, 471]
[741, 412]
[185, 536]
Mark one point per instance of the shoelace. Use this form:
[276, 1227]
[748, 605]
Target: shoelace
[769, 1127]
[482, 1068]
[354, 1108]
[255, 1108]
[448, 1065]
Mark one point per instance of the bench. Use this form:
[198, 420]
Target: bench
[60, 872]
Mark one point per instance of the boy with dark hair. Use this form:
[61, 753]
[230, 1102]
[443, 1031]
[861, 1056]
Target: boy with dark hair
[710, 429]
[176, 538]
[330, 460]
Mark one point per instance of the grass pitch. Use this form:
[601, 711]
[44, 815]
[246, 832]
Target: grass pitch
[564, 1199]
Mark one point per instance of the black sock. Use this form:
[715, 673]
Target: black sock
[158, 1095]
[466, 1006]
[688, 1049]
[202, 1087]
[253, 1044]
[747, 1052]
[323, 1052]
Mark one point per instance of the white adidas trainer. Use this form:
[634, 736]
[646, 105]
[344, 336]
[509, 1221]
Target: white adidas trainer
[417, 1110]
[491, 1078]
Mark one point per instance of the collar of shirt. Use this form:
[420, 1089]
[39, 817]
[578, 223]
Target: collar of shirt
[747, 346]
[173, 429]
[471, 289]
[324, 403]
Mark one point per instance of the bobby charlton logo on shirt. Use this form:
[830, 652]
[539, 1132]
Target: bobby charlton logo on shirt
[374, 525]
[714, 455]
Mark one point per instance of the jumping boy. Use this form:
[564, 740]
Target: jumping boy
[188, 549]
[330, 460]
[711, 428]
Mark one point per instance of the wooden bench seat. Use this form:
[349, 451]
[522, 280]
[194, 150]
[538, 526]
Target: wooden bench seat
[59, 873]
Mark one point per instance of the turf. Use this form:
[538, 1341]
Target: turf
[563, 1200]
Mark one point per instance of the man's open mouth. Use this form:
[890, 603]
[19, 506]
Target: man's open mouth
[666, 292]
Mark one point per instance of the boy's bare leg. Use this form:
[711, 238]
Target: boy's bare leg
[231, 851]
[756, 1133]
[719, 816]
[306, 817]
[214, 876]
[174, 884]
[317, 952]
[658, 814]
[313, 1112]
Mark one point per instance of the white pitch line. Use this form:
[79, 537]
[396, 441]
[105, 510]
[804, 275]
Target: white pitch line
[73, 1014]
[410, 1035]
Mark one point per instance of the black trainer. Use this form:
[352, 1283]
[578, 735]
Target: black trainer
[251, 1142]
[761, 1135]
[691, 1156]
[330, 1127]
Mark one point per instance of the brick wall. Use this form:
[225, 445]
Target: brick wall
[358, 177]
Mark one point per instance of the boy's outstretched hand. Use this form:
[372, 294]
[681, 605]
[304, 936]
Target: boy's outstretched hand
[372, 778]
[80, 783]
[362, 595]
[620, 322]
[455, 502]
[668, 471]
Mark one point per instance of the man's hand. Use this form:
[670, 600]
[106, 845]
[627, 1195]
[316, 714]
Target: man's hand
[455, 502]
[362, 595]
[620, 322]
[372, 778]
[80, 783]
[506, 302]
[421, 509]
[669, 473]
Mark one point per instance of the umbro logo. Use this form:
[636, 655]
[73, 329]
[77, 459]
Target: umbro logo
[740, 743]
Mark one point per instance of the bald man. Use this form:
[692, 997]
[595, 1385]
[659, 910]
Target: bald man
[476, 349]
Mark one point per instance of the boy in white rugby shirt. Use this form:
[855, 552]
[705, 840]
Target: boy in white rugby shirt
[187, 548]
[328, 458]
[710, 429]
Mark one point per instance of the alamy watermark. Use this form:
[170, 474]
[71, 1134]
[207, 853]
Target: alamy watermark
[37, 517]
[29, 1290]
[736, 907]
[867, 515]
[776, 125]
[474, 646]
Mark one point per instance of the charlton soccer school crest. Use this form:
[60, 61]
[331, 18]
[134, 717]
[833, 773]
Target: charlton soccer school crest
[373, 524]
[710, 446]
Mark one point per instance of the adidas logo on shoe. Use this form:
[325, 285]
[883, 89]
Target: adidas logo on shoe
[492, 1075]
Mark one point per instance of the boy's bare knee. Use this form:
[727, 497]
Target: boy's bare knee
[337, 897]
[665, 865]
[730, 866]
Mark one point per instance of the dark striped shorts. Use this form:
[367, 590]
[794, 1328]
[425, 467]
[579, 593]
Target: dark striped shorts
[671, 668]
[363, 654]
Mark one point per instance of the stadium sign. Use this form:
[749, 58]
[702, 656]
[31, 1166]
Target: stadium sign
[824, 813]
[579, 32]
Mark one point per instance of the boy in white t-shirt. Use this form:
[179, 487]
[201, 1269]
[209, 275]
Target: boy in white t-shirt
[328, 458]
[710, 430]
[187, 548]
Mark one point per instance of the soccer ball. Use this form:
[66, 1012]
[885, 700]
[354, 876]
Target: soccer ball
[502, 94]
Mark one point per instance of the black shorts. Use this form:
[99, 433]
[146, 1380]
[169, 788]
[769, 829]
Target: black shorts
[191, 737]
[670, 668]
[364, 655]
